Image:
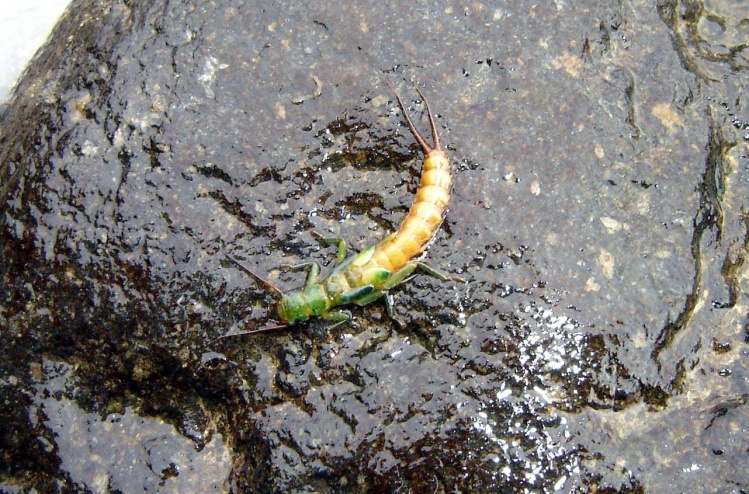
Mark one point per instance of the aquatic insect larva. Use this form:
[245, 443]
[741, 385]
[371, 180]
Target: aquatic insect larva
[367, 276]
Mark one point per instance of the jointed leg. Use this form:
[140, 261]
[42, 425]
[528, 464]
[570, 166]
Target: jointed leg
[312, 274]
[389, 303]
[376, 295]
[403, 273]
[399, 276]
[358, 294]
[334, 241]
[338, 317]
[436, 274]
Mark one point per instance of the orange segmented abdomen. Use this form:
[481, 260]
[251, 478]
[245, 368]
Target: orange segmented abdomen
[423, 219]
[425, 216]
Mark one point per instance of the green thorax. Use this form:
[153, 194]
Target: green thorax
[300, 305]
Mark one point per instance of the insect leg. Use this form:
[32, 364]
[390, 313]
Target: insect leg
[357, 294]
[389, 303]
[312, 274]
[376, 295]
[338, 317]
[404, 272]
[331, 241]
[436, 274]
[369, 298]
[399, 276]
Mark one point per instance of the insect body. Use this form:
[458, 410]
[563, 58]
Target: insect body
[367, 276]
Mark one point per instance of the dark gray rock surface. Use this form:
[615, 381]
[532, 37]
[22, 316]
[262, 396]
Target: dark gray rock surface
[599, 217]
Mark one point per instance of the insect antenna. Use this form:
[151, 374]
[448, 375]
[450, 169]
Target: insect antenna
[424, 146]
[252, 331]
[435, 137]
[262, 281]
[269, 287]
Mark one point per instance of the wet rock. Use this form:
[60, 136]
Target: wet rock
[598, 216]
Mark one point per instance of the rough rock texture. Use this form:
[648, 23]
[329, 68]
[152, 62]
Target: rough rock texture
[599, 217]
